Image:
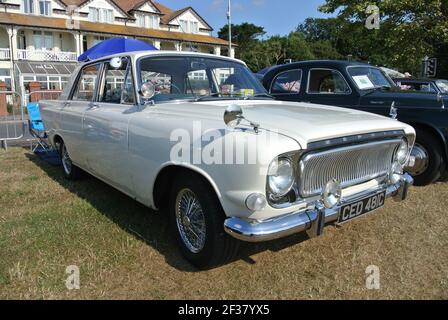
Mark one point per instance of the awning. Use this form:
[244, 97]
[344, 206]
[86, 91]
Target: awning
[45, 68]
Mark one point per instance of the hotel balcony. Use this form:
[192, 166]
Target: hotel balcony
[5, 54]
[45, 55]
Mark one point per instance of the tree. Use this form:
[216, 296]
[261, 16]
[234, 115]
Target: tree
[244, 35]
[409, 30]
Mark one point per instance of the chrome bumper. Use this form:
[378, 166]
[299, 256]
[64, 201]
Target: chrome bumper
[312, 221]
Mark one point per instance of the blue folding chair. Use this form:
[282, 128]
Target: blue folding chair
[36, 127]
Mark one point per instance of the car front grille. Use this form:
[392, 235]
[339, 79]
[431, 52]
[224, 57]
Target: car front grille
[349, 166]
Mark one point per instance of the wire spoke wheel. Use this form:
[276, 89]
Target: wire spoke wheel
[66, 161]
[190, 220]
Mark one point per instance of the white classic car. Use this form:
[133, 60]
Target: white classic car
[198, 135]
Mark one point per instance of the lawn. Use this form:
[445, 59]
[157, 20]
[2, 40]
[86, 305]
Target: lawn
[125, 251]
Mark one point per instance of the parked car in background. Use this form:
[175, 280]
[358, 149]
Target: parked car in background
[365, 87]
[436, 86]
[121, 118]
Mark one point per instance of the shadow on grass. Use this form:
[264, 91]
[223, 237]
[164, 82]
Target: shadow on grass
[145, 224]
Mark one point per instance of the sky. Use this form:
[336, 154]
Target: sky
[277, 17]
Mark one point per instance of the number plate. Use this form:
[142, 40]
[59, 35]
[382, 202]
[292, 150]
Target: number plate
[360, 208]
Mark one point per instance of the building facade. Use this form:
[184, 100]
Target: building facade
[40, 40]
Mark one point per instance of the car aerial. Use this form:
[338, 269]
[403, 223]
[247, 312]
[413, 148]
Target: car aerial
[435, 86]
[364, 87]
[197, 136]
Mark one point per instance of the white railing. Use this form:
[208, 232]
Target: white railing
[5, 54]
[46, 55]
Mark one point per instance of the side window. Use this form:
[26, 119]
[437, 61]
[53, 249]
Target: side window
[86, 86]
[325, 81]
[287, 82]
[128, 94]
[118, 85]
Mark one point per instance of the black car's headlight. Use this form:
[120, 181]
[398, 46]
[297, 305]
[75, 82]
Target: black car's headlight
[402, 153]
[281, 177]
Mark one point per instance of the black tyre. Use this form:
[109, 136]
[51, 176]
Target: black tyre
[197, 219]
[71, 172]
[429, 159]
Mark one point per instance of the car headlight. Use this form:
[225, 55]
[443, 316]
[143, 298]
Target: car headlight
[280, 177]
[402, 153]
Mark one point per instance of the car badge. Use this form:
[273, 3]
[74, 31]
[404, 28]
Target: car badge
[393, 111]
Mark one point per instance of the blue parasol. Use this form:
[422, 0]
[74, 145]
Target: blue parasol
[114, 46]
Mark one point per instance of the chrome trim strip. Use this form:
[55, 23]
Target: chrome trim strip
[280, 227]
[359, 138]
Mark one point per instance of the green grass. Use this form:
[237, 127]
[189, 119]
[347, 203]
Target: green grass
[125, 251]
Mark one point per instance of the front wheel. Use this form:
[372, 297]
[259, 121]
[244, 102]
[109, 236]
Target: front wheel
[428, 159]
[71, 172]
[197, 220]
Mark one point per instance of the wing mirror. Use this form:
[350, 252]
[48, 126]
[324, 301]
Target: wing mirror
[233, 115]
[116, 63]
[147, 90]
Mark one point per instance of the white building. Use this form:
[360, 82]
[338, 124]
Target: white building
[40, 40]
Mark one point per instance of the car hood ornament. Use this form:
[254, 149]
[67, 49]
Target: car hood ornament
[393, 111]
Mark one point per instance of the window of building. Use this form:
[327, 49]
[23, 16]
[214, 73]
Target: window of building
[45, 7]
[147, 21]
[101, 15]
[43, 40]
[140, 20]
[28, 6]
[98, 39]
[194, 27]
[183, 25]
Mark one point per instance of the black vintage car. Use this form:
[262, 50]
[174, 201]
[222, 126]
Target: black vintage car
[436, 86]
[368, 88]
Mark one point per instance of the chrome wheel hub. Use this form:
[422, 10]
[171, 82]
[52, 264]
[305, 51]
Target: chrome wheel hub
[190, 220]
[66, 161]
[421, 160]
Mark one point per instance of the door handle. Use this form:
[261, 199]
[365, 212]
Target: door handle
[66, 104]
[93, 106]
[377, 102]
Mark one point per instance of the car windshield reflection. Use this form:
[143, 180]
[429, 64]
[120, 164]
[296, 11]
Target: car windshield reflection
[197, 78]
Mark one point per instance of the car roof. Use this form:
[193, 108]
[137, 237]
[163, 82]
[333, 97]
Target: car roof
[139, 54]
[416, 79]
[316, 63]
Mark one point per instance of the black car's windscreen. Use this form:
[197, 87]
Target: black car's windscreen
[369, 78]
[189, 77]
[443, 86]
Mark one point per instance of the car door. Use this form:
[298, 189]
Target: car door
[328, 86]
[106, 125]
[286, 85]
[73, 110]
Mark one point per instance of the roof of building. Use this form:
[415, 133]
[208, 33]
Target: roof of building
[119, 30]
[127, 6]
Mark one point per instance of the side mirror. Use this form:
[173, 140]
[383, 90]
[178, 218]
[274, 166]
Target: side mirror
[147, 90]
[116, 63]
[233, 115]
